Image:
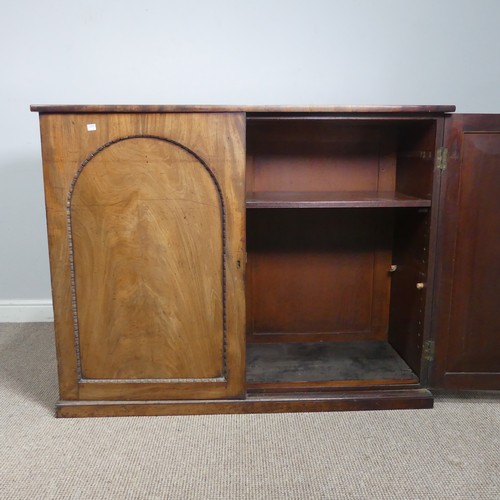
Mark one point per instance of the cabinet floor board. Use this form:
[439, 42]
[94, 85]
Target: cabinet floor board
[279, 363]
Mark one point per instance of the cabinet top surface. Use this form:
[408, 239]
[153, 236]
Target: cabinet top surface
[175, 108]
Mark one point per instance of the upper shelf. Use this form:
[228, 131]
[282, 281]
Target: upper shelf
[333, 199]
[175, 108]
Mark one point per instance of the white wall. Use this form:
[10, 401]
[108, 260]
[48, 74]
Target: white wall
[220, 51]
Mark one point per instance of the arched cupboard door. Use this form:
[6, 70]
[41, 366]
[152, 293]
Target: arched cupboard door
[146, 218]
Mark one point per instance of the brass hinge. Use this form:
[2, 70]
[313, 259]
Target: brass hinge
[442, 158]
[428, 350]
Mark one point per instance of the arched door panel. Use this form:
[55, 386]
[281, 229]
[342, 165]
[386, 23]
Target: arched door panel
[146, 236]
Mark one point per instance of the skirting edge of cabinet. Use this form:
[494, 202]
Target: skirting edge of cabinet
[276, 403]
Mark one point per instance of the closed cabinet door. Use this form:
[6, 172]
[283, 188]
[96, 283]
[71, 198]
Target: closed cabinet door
[146, 234]
[467, 310]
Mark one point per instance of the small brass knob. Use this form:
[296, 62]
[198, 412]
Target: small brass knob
[420, 286]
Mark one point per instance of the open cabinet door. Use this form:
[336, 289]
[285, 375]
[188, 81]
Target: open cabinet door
[467, 312]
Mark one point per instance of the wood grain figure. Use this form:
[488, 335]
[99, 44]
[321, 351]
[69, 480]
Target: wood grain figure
[134, 225]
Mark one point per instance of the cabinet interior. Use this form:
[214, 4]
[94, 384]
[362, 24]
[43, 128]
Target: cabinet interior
[338, 218]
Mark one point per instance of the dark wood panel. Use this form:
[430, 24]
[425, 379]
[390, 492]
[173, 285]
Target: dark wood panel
[196, 108]
[319, 274]
[414, 240]
[390, 399]
[426, 362]
[318, 271]
[303, 363]
[334, 336]
[337, 199]
[467, 322]
[475, 319]
[471, 381]
[407, 309]
[314, 156]
[416, 158]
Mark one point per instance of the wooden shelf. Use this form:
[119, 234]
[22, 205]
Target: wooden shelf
[333, 199]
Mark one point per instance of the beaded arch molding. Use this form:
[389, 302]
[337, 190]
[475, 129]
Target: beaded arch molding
[76, 332]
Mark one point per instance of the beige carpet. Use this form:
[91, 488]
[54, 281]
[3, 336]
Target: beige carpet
[451, 452]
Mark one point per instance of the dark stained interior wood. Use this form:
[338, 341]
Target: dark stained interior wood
[291, 363]
[416, 158]
[320, 275]
[407, 310]
[318, 272]
[324, 275]
[415, 176]
[318, 156]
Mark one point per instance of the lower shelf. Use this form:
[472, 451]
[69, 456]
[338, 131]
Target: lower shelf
[325, 364]
[400, 399]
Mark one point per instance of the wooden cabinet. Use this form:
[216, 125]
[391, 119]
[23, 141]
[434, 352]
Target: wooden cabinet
[246, 259]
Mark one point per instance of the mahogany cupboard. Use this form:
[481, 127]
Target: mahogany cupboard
[210, 259]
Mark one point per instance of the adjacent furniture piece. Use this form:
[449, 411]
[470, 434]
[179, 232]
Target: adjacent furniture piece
[212, 259]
